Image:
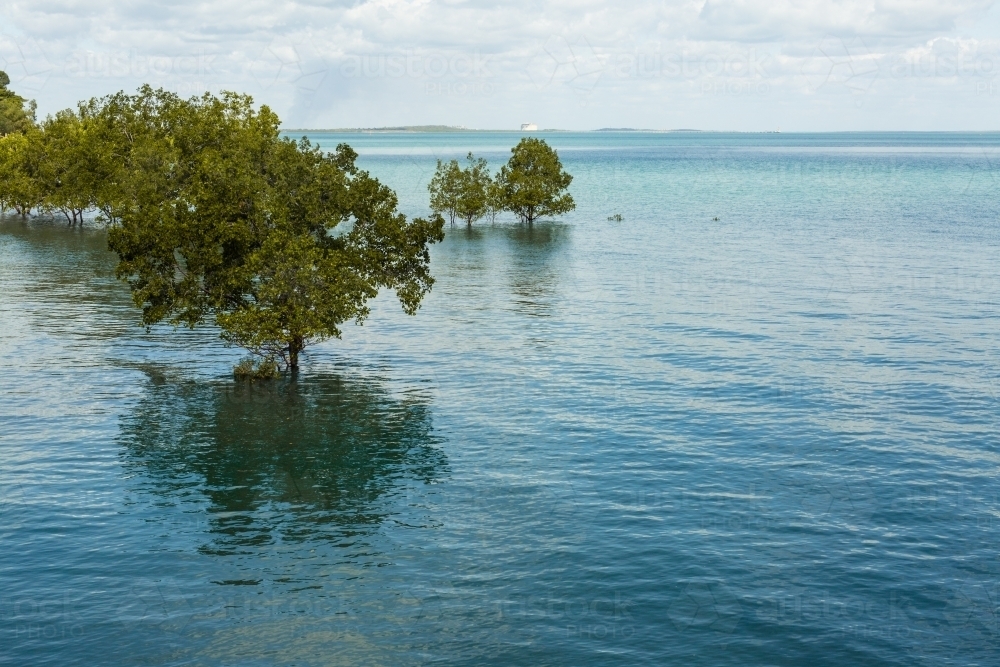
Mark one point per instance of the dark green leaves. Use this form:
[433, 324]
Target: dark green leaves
[531, 185]
[17, 115]
[213, 215]
[462, 193]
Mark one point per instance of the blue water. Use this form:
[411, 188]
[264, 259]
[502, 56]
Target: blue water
[767, 439]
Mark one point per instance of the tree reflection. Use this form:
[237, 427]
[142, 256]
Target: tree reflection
[288, 461]
[534, 271]
[542, 239]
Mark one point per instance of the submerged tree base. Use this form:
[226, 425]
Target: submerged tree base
[251, 369]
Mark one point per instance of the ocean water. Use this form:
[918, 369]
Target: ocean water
[753, 423]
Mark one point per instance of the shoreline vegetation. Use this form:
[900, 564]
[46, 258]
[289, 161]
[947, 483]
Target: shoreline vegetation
[218, 216]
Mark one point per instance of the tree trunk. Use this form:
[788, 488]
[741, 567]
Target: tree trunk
[294, 347]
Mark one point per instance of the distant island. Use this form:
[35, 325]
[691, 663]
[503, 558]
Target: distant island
[401, 128]
[635, 129]
[410, 128]
[460, 128]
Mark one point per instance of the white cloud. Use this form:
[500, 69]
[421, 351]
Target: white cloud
[722, 64]
[787, 19]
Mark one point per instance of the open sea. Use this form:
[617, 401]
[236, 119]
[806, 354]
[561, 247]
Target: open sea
[753, 423]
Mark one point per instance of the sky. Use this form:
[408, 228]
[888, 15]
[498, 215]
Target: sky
[736, 65]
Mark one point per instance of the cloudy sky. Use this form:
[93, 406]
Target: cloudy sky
[707, 64]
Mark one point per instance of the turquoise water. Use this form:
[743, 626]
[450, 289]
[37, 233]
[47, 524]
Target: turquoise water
[767, 439]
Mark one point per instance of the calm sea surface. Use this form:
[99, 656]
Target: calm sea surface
[754, 423]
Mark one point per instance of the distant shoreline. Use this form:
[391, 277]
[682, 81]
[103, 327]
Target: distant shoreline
[406, 128]
[447, 129]
[454, 128]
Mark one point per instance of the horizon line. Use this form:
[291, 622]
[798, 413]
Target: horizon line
[446, 129]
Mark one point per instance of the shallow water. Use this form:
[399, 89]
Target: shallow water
[765, 439]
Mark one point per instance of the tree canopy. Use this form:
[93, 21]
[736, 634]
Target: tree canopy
[16, 113]
[446, 189]
[533, 184]
[461, 193]
[215, 217]
[280, 242]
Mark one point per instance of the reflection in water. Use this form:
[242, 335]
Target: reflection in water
[533, 277]
[544, 236]
[290, 461]
[469, 233]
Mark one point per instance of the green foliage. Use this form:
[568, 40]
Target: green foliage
[617, 217]
[42, 167]
[476, 182]
[251, 369]
[20, 152]
[63, 176]
[533, 183]
[446, 189]
[20, 165]
[129, 144]
[494, 200]
[214, 216]
[17, 115]
[461, 193]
